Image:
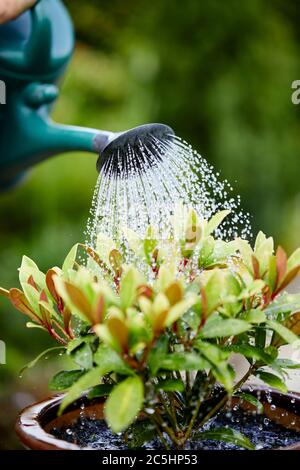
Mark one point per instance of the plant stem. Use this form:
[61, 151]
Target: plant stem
[217, 407]
[160, 433]
[166, 428]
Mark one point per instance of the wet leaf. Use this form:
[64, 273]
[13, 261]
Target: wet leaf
[124, 403]
[272, 380]
[174, 293]
[290, 276]
[99, 391]
[170, 385]
[88, 380]
[281, 263]
[64, 379]
[70, 259]
[287, 335]
[40, 356]
[183, 361]
[21, 303]
[251, 399]
[110, 359]
[293, 323]
[128, 288]
[98, 314]
[157, 353]
[254, 316]
[115, 260]
[83, 356]
[78, 299]
[215, 221]
[51, 286]
[119, 331]
[226, 435]
[217, 327]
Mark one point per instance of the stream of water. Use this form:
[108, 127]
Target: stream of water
[144, 193]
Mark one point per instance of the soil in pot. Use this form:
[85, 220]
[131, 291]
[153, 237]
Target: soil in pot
[261, 431]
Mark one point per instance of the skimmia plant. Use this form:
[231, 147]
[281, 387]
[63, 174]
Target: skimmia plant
[155, 337]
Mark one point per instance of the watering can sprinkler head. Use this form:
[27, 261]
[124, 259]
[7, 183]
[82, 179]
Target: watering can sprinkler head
[138, 147]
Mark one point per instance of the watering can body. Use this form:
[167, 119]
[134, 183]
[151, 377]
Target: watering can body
[34, 52]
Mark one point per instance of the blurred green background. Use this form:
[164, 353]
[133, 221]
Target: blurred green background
[219, 73]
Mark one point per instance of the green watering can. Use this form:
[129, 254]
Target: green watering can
[34, 52]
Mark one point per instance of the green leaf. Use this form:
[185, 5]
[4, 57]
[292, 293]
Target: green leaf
[110, 360]
[124, 403]
[217, 357]
[206, 252]
[29, 268]
[294, 260]
[44, 353]
[251, 399]
[70, 259]
[170, 385]
[183, 361]
[217, 327]
[254, 316]
[226, 435]
[64, 379]
[251, 352]
[213, 290]
[215, 221]
[83, 356]
[128, 288]
[101, 390]
[179, 309]
[272, 380]
[284, 303]
[287, 335]
[140, 432]
[157, 354]
[286, 364]
[86, 381]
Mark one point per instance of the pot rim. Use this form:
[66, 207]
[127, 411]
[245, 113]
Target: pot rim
[30, 430]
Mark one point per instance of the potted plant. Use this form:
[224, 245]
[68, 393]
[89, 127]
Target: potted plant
[152, 341]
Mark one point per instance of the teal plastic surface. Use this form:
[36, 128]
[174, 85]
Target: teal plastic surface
[34, 52]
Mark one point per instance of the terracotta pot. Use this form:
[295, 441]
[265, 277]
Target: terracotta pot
[35, 421]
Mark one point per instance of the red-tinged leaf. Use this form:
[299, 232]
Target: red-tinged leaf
[30, 281]
[51, 286]
[255, 266]
[99, 310]
[174, 293]
[79, 299]
[289, 277]
[119, 331]
[4, 292]
[92, 253]
[159, 321]
[293, 323]
[115, 259]
[203, 302]
[43, 296]
[20, 302]
[46, 316]
[281, 264]
[145, 291]
[67, 316]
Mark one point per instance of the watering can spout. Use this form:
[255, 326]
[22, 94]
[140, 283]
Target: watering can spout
[29, 136]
